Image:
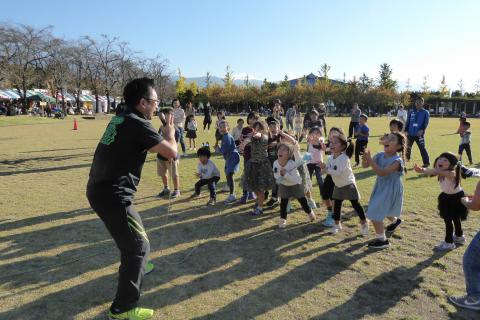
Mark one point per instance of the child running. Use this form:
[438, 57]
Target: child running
[218, 136]
[447, 168]
[245, 150]
[237, 132]
[258, 172]
[208, 174]
[465, 135]
[191, 131]
[231, 156]
[289, 182]
[339, 168]
[386, 200]
[297, 125]
[327, 189]
[316, 148]
[362, 131]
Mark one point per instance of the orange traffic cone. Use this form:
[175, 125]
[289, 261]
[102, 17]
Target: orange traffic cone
[75, 126]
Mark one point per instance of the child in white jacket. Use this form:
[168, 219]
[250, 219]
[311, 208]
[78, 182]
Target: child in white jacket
[289, 182]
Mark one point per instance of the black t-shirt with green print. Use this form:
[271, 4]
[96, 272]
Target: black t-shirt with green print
[120, 155]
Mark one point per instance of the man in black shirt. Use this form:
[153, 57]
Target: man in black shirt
[114, 177]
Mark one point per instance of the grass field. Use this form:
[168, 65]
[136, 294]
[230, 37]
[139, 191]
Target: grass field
[57, 260]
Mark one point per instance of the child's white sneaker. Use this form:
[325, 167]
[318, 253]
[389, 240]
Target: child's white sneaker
[459, 240]
[230, 199]
[311, 203]
[312, 217]
[445, 246]
[364, 229]
[282, 223]
[335, 229]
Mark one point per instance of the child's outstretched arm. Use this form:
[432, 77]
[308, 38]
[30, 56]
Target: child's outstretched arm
[434, 172]
[474, 202]
[385, 171]
[287, 138]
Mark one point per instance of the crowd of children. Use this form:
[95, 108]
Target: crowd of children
[274, 166]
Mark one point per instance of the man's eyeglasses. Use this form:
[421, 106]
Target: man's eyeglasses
[150, 100]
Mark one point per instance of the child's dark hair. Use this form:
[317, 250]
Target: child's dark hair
[190, 117]
[261, 125]
[337, 129]
[252, 115]
[455, 164]
[398, 123]
[466, 124]
[240, 120]
[315, 129]
[221, 114]
[349, 146]
[204, 151]
[402, 142]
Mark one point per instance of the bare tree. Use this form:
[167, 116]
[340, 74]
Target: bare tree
[27, 49]
[157, 69]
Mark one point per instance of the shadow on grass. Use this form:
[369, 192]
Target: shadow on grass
[50, 150]
[377, 296]
[50, 158]
[40, 170]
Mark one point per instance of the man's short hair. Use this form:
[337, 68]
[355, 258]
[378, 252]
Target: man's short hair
[137, 89]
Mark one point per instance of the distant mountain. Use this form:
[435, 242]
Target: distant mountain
[201, 81]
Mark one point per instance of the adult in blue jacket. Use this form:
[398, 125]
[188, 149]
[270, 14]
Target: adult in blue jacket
[417, 123]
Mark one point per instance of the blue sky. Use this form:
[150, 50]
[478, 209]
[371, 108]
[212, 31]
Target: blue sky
[268, 39]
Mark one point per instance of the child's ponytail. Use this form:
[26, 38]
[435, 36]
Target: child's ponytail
[402, 142]
[350, 147]
[458, 167]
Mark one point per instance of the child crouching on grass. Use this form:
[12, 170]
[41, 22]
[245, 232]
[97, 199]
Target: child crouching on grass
[208, 174]
[289, 182]
[232, 158]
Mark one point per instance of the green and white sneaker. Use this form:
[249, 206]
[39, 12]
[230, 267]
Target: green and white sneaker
[149, 268]
[133, 314]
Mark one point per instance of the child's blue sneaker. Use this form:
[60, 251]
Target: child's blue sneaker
[251, 196]
[256, 212]
[329, 222]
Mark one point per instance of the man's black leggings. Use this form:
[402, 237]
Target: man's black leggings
[126, 228]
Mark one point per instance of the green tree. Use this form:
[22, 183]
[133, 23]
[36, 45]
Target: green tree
[324, 69]
[365, 83]
[385, 77]
[425, 86]
[180, 85]
[443, 89]
[208, 80]
[228, 78]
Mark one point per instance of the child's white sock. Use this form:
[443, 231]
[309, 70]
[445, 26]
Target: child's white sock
[381, 237]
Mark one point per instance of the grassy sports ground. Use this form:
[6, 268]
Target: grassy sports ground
[57, 260]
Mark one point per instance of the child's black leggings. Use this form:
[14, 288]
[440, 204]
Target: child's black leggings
[284, 203]
[449, 225]
[337, 208]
